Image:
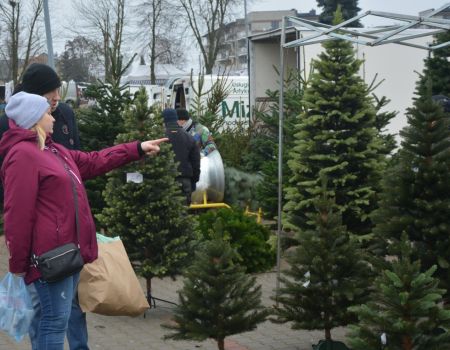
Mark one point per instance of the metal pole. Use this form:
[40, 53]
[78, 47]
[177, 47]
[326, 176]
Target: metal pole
[246, 19]
[248, 59]
[14, 44]
[280, 156]
[48, 34]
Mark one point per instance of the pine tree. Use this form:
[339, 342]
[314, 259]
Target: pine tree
[150, 217]
[99, 127]
[416, 196]
[245, 235]
[405, 309]
[263, 152]
[437, 69]
[218, 299]
[349, 9]
[382, 120]
[336, 136]
[328, 273]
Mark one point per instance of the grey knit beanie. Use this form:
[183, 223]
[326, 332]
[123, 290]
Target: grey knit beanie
[26, 109]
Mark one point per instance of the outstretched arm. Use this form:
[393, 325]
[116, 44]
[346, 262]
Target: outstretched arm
[91, 164]
[151, 147]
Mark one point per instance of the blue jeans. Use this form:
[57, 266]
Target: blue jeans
[58, 306]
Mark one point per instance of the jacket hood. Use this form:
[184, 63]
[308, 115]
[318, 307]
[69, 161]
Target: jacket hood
[13, 136]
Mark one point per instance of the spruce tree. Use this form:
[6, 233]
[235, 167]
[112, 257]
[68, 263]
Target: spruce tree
[99, 127]
[263, 151]
[218, 299]
[437, 69]
[349, 9]
[150, 216]
[382, 120]
[405, 310]
[337, 135]
[328, 273]
[416, 195]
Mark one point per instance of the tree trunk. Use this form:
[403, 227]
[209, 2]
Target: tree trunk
[153, 46]
[15, 41]
[106, 55]
[327, 333]
[221, 344]
[148, 281]
[407, 343]
[152, 71]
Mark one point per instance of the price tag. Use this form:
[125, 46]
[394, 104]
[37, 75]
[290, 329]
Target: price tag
[137, 178]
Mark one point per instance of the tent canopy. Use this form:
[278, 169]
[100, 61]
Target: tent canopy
[139, 74]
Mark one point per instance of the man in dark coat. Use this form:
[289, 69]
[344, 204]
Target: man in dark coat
[187, 153]
[41, 79]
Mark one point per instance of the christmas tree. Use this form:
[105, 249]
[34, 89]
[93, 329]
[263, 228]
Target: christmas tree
[405, 311]
[349, 9]
[336, 136]
[437, 69]
[262, 155]
[382, 120]
[218, 299]
[245, 235]
[149, 216]
[416, 196]
[99, 127]
[328, 273]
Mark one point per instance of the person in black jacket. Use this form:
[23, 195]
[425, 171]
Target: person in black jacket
[41, 79]
[187, 153]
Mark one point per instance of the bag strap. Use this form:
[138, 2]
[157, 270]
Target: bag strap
[75, 197]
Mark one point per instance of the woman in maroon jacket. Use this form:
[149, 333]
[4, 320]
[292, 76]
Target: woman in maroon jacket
[39, 206]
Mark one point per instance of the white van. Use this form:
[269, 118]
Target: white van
[234, 107]
[156, 93]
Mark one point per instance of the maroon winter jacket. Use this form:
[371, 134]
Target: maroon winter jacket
[39, 207]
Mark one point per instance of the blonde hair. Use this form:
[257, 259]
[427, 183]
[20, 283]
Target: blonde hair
[41, 135]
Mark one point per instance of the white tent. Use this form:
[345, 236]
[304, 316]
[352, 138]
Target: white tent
[139, 74]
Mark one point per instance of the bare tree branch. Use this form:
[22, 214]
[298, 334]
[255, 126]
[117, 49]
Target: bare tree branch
[207, 19]
[105, 19]
[160, 33]
[32, 43]
[21, 34]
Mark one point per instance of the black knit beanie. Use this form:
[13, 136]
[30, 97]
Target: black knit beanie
[39, 79]
[183, 114]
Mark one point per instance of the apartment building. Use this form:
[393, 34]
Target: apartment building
[233, 52]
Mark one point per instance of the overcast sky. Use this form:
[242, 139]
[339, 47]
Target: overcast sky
[410, 7]
[62, 9]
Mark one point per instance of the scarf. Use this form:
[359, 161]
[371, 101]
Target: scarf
[187, 125]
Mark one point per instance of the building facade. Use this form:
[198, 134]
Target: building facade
[233, 54]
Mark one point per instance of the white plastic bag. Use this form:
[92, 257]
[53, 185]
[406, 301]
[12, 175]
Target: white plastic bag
[16, 310]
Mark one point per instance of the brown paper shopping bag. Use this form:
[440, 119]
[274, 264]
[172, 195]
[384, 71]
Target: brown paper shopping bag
[109, 286]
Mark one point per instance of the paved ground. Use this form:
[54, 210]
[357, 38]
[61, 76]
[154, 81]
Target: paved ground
[145, 333]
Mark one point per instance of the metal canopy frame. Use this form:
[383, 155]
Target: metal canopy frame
[373, 36]
[397, 33]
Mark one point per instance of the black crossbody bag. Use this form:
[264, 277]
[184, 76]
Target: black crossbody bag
[65, 260]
